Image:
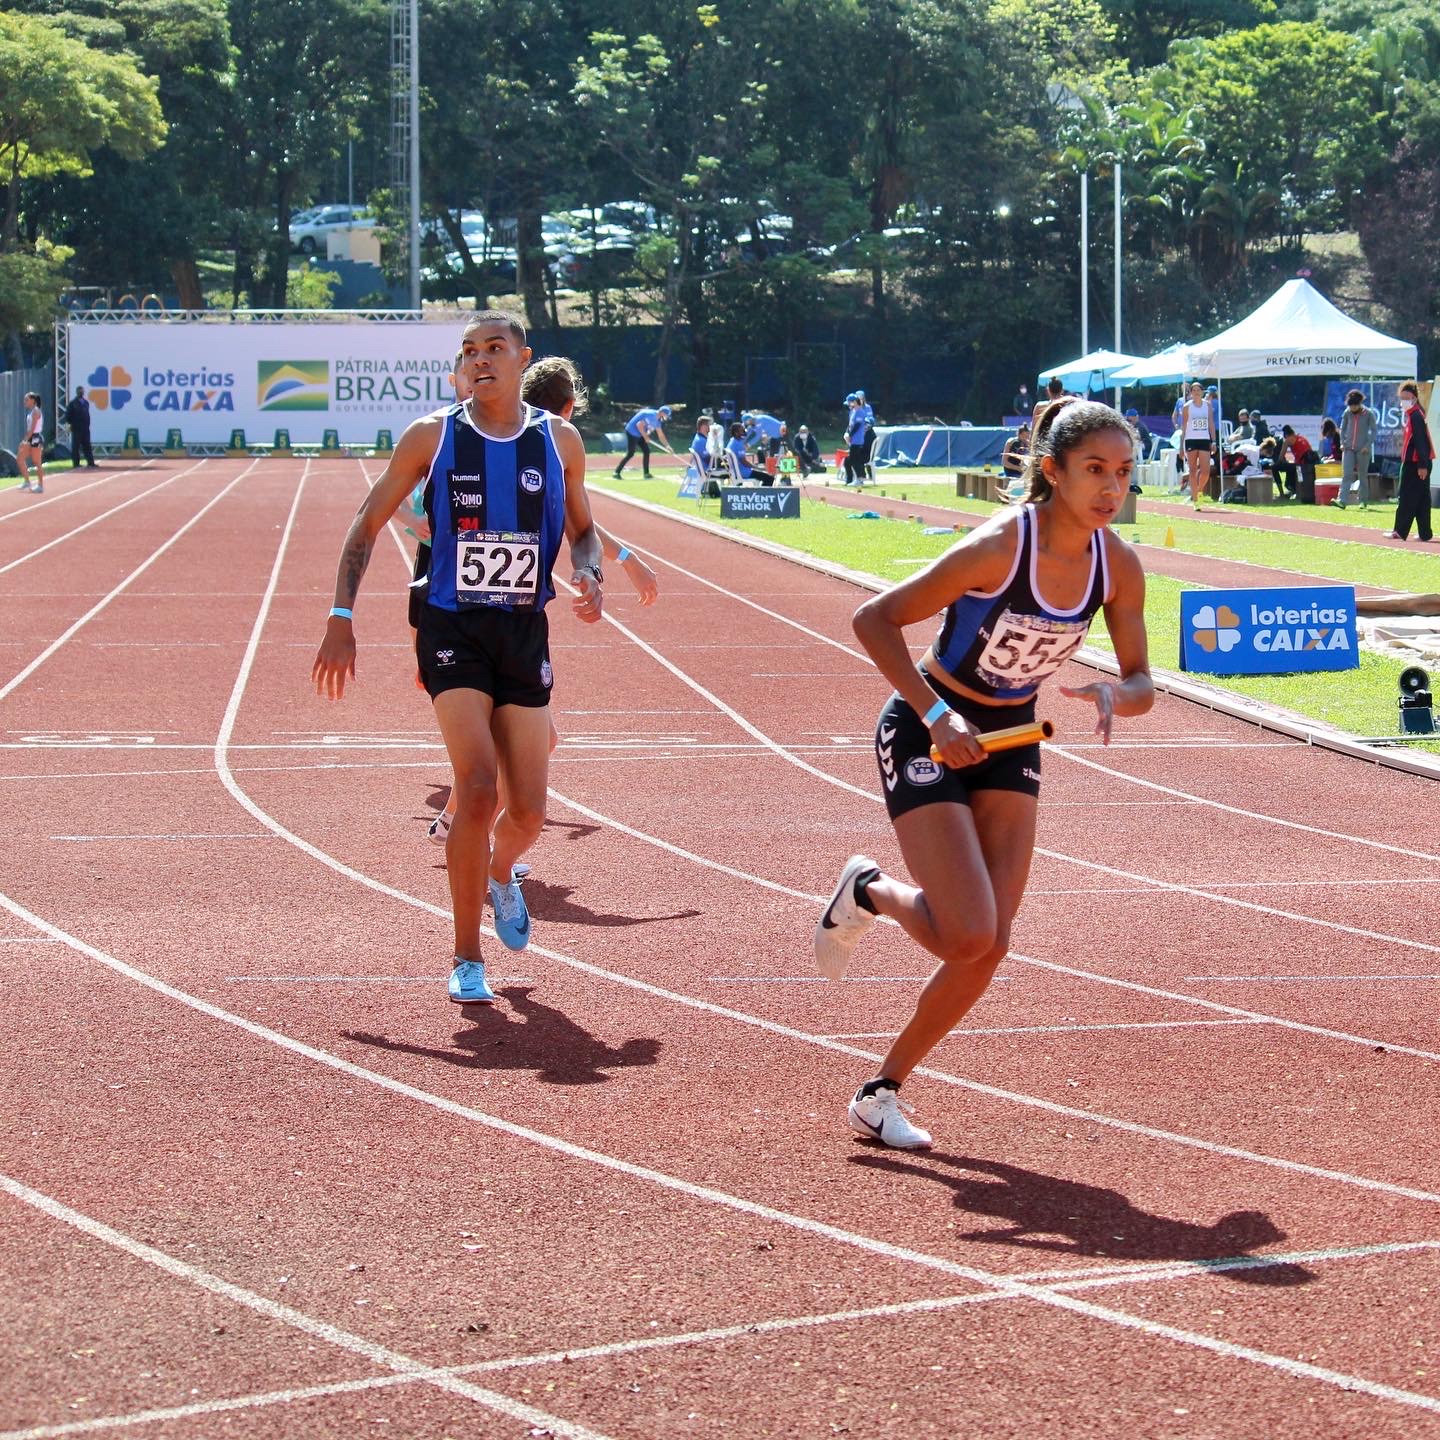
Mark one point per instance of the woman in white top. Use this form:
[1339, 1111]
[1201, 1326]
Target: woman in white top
[32, 446]
[1197, 426]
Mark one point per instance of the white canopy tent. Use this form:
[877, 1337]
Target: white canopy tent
[1297, 331]
[1094, 371]
[1159, 369]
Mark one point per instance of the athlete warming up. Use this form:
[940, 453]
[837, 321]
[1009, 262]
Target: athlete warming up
[503, 483]
[1016, 598]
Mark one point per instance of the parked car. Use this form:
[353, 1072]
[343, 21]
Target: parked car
[308, 236]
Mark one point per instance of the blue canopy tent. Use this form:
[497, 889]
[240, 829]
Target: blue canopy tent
[1094, 371]
[1164, 368]
[939, 445]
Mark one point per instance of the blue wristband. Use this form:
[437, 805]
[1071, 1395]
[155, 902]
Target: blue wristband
[339, 612]
[934, 713]
[624, 555]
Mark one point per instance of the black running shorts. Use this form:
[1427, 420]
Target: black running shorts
[505, 654]
[909, 778]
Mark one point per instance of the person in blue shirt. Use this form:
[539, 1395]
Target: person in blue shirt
[642, 427]
[765, 433]
[855, 428]
[700, 445]
[747, 467]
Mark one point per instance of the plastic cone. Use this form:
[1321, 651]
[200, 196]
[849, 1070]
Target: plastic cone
[1169, 537]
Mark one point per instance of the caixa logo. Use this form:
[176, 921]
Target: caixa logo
[188, 389]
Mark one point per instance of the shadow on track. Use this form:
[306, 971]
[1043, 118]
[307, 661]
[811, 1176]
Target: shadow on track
[1047, 1213]
[543, 1039]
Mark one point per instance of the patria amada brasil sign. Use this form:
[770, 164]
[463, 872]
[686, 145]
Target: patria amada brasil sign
[1268, 632]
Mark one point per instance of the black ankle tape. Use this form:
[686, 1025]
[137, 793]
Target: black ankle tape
[869, 1088]
[864, 878]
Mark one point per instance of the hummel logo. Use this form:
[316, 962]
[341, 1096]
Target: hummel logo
[885, 751]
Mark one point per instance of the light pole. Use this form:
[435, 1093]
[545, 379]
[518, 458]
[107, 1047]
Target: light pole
[1118, 238]
[1062, 97]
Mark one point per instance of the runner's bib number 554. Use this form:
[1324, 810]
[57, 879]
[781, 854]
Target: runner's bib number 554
[1023, 650]
[497, 567]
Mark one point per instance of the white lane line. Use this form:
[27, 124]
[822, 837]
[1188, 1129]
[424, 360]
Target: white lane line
[1323, 882]
[95, 520]
[1063, 1280]
[964, 1033]
[237, 835]
[1065, 751]
[496, 980]
[818, 979]
[1278, 979]
[288, 1315]
[804, 1224]
[77, 490]
[17, 680]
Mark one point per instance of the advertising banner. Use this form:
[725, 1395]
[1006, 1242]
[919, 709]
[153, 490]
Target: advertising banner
[769, 502]
[1383, 397]
[207, 380]
[1268, 632]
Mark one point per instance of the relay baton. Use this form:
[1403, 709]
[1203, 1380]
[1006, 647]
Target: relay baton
[1011, 738]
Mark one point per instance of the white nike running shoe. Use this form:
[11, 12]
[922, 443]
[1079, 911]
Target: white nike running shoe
[879, 1117]
[843, 921]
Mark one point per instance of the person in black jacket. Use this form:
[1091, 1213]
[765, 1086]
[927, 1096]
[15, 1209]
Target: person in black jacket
[77, 417]
[807, 452]
[1417, 454]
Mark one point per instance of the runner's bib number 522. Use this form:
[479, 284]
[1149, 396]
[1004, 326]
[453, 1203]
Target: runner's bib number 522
[497, 567]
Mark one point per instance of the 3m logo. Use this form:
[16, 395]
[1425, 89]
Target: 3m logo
[293, 384]
[106, 385]
[1216, 630]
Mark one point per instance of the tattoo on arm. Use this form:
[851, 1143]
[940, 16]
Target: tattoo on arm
[353, 561]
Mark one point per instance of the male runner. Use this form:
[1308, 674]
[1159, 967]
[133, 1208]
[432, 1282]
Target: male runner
[503, 482]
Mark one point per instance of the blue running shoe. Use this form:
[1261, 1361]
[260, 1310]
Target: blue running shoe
[512, 919]
[468, 985]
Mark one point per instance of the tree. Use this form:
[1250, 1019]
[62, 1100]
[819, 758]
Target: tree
[73, 101]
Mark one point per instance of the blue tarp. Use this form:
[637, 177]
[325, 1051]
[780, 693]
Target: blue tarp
[938, 445]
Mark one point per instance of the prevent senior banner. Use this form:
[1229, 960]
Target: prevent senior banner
[209, 379]
[1268, 632]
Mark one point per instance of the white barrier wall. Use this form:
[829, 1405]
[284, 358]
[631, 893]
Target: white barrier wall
[207, 380]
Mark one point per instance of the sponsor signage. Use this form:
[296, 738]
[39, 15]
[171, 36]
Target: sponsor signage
[1268, 632]
[1381, 396]
[209, 379]
[768, 502]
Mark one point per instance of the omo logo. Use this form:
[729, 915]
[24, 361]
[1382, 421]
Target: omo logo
[1216, 630]
[293, 384]
[107, 387]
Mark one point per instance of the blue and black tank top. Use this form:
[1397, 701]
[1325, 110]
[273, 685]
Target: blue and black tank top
[1003, 643]
[497, 514]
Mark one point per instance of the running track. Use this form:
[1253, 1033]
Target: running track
[261, 1180]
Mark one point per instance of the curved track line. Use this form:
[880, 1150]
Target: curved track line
[1057, 749]
[227, 778]
[999, 1284]
[135, 574]
[296, 1319]
[95, 520]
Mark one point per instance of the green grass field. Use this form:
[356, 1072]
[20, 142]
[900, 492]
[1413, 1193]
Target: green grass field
[1361, 702]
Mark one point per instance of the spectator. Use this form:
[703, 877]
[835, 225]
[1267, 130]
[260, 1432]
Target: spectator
[855, 438]
[1022, 403]
[700, 445]
[1244, 431]
[747, 467]
[642, 427]
[1141, 429]
[1054, 390]
[1296, 461]
[1357, 448]
[77, 417]
[868, 412]
[1329, 441]
[1012, 457]
[1259, 426]
[1417, 453]
[807, 453]
[764, 433]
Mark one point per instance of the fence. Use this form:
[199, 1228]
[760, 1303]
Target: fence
[14, 386]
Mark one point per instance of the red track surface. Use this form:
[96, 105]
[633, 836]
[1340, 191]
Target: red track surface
[625, 1203]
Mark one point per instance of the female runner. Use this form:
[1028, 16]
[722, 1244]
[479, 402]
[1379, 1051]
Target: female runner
[1017, 596]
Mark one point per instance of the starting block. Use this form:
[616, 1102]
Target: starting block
[175, 444]
[330, 443]
[281, 448]
[384, 444]
[131, 448]
[237, 448]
